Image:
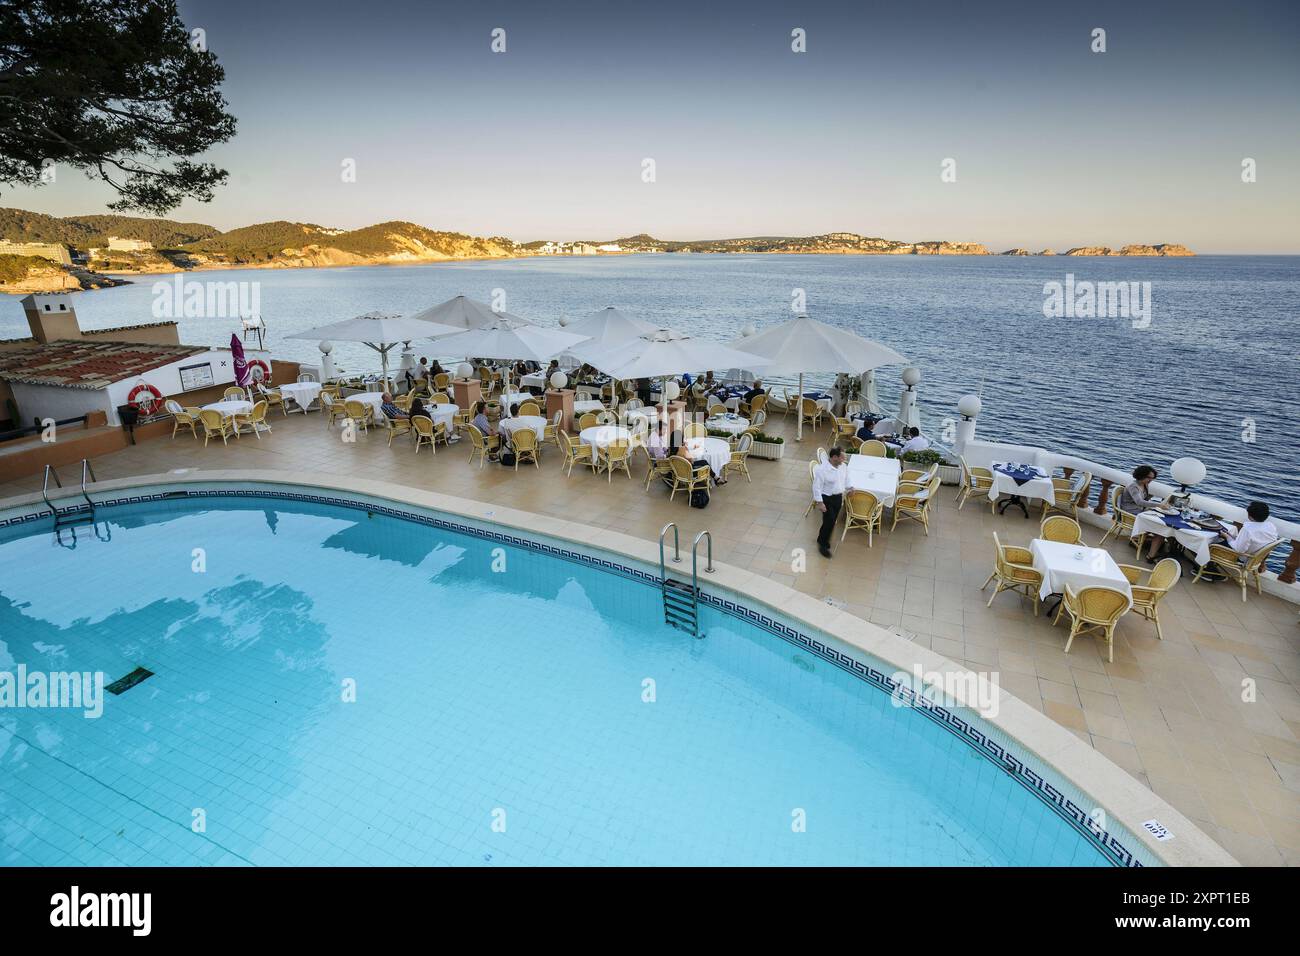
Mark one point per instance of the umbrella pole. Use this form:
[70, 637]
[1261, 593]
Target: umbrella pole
[799, 411]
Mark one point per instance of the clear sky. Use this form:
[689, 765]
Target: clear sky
[1054, 145]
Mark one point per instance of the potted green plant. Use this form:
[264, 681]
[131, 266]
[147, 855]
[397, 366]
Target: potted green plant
[771, 447]
[949, 471]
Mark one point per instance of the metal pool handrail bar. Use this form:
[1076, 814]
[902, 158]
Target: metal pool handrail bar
[45, 487]
[695, 547]
[677, 547]
[87, 470]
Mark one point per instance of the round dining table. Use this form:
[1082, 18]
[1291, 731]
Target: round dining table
[733, 424]
[716, 451]
[600, 437]
[510, 425]
[230, 407]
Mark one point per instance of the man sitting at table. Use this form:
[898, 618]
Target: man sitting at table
[865, 433]
[391, 410]
[488, 430]
[754, 392]
[915, 441]
[1256, 531]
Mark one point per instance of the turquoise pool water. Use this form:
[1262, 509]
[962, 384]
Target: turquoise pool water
[502, 712]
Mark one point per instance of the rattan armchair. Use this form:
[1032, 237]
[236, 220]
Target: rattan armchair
[863, 510]
[686, 477]
[1013, 569]
[974, 481]
[215, 425]
[1061, 528]
[1093, 609]
[874, 448]
[1121, 522]
[1243, 569]
[182, 417]
[913, 501]
[576, 453]
[1150, 586]
[739, 457]
[524, 443]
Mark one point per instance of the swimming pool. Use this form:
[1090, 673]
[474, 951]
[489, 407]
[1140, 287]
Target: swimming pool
[334, 681]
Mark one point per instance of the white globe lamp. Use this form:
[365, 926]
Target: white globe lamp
[969, 406]
[748, 330]
[911, 376]
[559, 380]
[564, 321]
[672, 390]
[326, 347]
[464, 370]
[1188, 472]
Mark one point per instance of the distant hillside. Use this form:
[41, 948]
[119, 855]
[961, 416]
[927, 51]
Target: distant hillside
[185, 246]
[83, 232]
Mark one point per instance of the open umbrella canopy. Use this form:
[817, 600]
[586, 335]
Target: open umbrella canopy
[806, 345]
[464, 313]
[510, 339]
[609, 327]
[377, 329]
[666, 352]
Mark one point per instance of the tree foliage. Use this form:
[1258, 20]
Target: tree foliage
[118, 88]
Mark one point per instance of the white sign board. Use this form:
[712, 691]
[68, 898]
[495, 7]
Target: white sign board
[196, 376]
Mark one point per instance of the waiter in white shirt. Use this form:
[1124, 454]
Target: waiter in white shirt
[830, 481]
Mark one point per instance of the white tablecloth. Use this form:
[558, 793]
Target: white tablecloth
[598, 436]
[1076, 565]
[536, 422]
[587, 405]
[302, 393]
[715, 451]
[1198, 542]
[230, 407]
[1003, 484]
[591, 391]
[825, 403]
[374, 399]
[876, 475]
[442, 413]
[536, 380]
[517, 398]
[733, 425]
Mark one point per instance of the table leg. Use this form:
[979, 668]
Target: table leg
[1015, 500]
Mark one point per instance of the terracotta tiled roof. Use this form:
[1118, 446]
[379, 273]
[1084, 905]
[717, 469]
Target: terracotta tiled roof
[88, 364]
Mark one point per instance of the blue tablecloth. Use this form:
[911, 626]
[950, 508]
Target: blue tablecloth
[1020, 475]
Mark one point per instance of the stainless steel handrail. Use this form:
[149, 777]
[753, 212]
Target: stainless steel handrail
[677, 547]
[695, 547]
[87, 470]
[45, 487]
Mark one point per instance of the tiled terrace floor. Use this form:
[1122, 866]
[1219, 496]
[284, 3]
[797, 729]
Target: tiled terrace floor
[1169, 712]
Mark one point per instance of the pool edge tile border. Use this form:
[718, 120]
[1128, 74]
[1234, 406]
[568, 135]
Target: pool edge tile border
[1127, 800]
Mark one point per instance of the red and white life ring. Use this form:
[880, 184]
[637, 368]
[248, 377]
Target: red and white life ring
[257, 364]
[145, 399]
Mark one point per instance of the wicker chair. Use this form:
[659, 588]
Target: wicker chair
[398, 426]
[524, 443]
[1121, 522]
[812, 468]
[588, 420]
[686, 477]
[235, 393]
[334, 408]
[1150, 587]
[1242, 572]
[1064, 495]
[974, 481]
[1061, 528]
[480, 444]
[254, 421]
[551, 433]
[530, 408]
[695, 430]
[274, 399]
[182, 417]
[863, 510]
[657, 468]
[576, 453]
[913, 501]
[617, 454]
[1095, 609]
[359, 412]
[215, 424]
[739, 456]
[439, 398]
[1013, 569]
[423, 427]
[874, 448]
[810, 413]
[920, 476]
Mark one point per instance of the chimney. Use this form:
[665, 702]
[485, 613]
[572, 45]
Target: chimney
[51, 317]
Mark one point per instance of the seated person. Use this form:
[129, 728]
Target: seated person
[391, 410]
[1135, 498]
[643, 390]
[915, 441]
[865, 433]
[435, 369]
[417, 408]
[480, 421]
[1256, 531]
[754, 392]
[658, 442]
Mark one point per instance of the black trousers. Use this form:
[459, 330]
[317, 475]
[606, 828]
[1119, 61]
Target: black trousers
[833, 504]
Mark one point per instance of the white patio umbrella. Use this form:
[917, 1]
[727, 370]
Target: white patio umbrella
[508, 339]
[464, 313]
[806, 345]
[379, 330]
[609, 328]
[664, 354]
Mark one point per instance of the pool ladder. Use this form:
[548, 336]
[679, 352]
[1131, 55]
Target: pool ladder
[682, 600]
[73, 515]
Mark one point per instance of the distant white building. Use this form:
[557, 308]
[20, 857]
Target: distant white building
[128, 245]
[610, 247]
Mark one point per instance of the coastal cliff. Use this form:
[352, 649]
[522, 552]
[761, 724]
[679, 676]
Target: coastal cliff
[47, 254]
